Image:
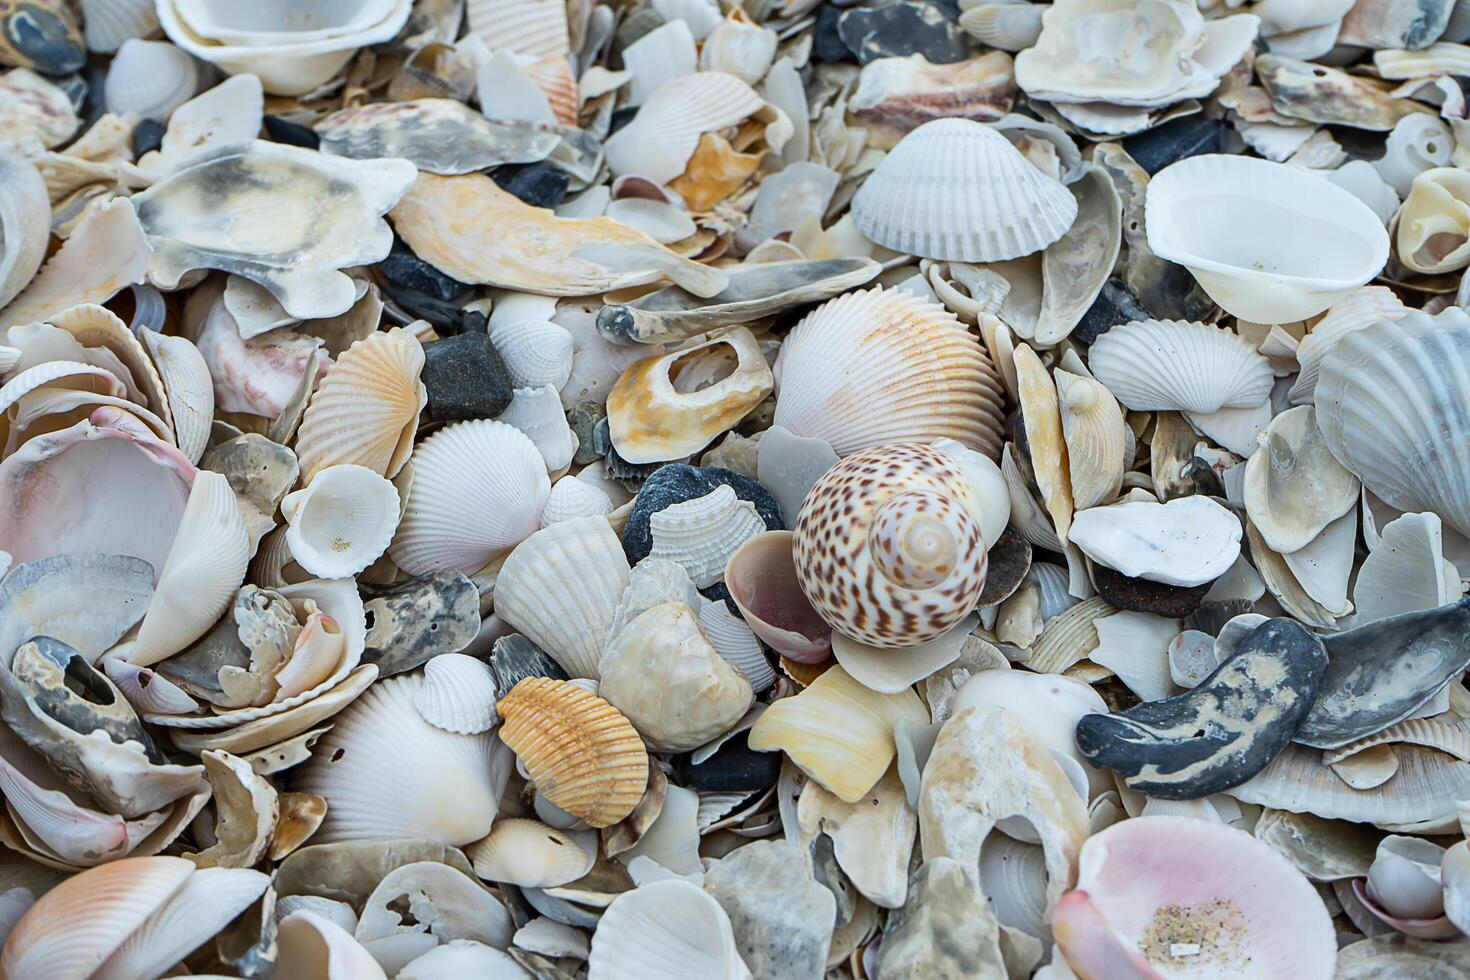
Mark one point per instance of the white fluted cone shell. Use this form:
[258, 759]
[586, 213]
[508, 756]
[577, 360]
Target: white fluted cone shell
[957, 190]
[106, 24]
[340, 522]
[458, 694]
[209, 900]
[366, 409]
[1177, 365]
[659, 141]
[478, 490]
[700, 535]
[1391, 404]
[445, 787]
[665, 930]
[561, 586]
[535, 352]
[150, 79]
[538, 413]
[189, 387]
[571, 497]
[882, 366]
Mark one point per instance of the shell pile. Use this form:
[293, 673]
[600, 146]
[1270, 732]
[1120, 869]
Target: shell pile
[734, 489]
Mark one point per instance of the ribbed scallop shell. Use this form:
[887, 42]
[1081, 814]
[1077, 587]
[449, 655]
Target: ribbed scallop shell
[734, 641]
[1178, 365]
[25, 224]
[885, 548]
[366, 409]
[106, 24]
[207, 902]
[883, 366]
[1391, 404]
[1007, 26]
[659, 141]
[1092, 424]
[561, 586]
[535, 352]
[99, 380]
[188, 387]
[150, 79]
[701, 534]
[443, 786]
[529, 27]
[478, 489]
[342, 521]
[665, 930]
[458, 694]
[956, 190]
[571, 498]
[1364, 307]
[581, 753]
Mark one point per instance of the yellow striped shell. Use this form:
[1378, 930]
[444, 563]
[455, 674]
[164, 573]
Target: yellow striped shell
[888, 546]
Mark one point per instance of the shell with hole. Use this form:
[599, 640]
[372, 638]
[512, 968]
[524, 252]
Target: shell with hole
[341, 521]
[529, 854]
[1434, 224]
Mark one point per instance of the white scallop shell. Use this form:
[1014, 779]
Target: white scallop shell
[734, 641]
[340, 522]
[446, 787]
[478, 489]
[1389, 400]
[1360, 309]
[25, 224]
[659, 141]
[956, 190]
[1270, 243]
[665, 930]
[701, 534]
[529, 27]
[150, 79]
[458, 694]
[537, 412]
[1177, 365]
[571, 497]
[1007, 26]
[189, 387]
[535, 352]
[529, 854]
[106, 24]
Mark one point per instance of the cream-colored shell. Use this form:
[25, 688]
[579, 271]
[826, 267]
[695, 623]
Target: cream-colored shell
[188, 386]
[535, 352]
[701, 534]
[1434, 223]
[1096, 436]
[458, 694]
[665, 930]
[25, 224]
[149, 79]
[1294, 486]
[571, 497]
[1046, 443]
[1174, 365]
[529, 854]
[341, 521]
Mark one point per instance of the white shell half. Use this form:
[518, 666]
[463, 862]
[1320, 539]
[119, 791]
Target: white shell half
[529, 854]
[340, 522]
[538, 413]
[1187, 541]
[106, 24]
[1360, 309]
[1176, 365]
[535, 352]
[189, 387]
[665, 930]
[734, 641]
[571, 497]
[25, 224]
[150, 79]
[701, 534]
[659, 141]
[458, 694]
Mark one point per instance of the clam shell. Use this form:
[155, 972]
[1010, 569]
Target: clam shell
[1006, 26]
[739, 47]
[572, 498]
[1075, 267]
[894, 96]
[701, 534]
[662, 138]
[458, 695]
[582, 754]
[561, 586]
[447, 788]
[535, 352]
[529, 854]
[1095, 435]
[1294, 487]
[188, 387]
[341, 521]
[1187, 541]
[765, 587]
[1434, 223]
[478, 489]
[1041, 414]
[1288, 249]
[150, 79]
[1360, 309]
[25, 223]
[1174, 365]
[958, 191]
[665, 930]
[881, 366]
[106, 24]
[366, 409]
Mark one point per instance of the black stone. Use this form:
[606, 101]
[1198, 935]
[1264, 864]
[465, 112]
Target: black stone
[1224, 731]
[515, 658]
[42, 39]
[735, 767]
[1114, 305]
[827, 43]
[585, 418]
[1176, 140]
[293, 134]
[465, 378]
[1006, 566]
[1141, 595]
[675, 483]
[904, 28]
[146, 137]
[406, 270]
[620, 118]
[538, 184]
[411, 622]
[602, 443]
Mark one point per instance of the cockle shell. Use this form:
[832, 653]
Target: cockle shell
[908, 562]
[701, 534]
[1294, 487]
[572, 497]
[458, 694]
[883, 366]
[537, 28]
[651, 420]
[1007, 26]
[662, 137]
[582, 754]
[478, 489]
[537, 412]
[25, 224]
[530, 854]
[1434, 223]
[1360, 309]
[1173, 365]
[1187, 541]
[366, 409]
[957, 190]
[187, 385]
[341, 521]
[662, 931]
[535, 352]
[150, 79]
[106, 24]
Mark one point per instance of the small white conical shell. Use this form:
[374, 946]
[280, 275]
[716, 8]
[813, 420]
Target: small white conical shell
[478, 490]
[535, 352]
[106, 24]
[188, 386]
[341, 521]
[956, 190]
[458, 694]
[1176, 365]
[665, 930]
[150, 79]
[701, 534]
[561, 586]
[571, 497]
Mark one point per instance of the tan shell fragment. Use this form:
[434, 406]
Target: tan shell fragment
[1434, 224]
[1294, 486]
[895, 96]
[1069, 637]
[1045, 441]
[1096, 436]
[581, 753]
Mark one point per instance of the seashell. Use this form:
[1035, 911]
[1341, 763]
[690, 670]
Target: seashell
[662, 930]
[150, 79]
[72, 374]
[1271, 276]
[1075, 267]
[854, 374]
[1013, 877]
[1294, 487]
[444, 221]
[458, 695]
[739, 47]
[1387, 25]
[439, 136]
[1404, 879]
[1363, 308]
[458, 958]
[1092, 425]
[580, 752]
[894, 96]
[1436, 59]
[872, 839]
[1134, 872]
[735, 642]
[1173, 365]
[1006, 26]
[663, 136]
[571, 498]
[187, 386]
[663, 222]
[25, 223]
[1322, 850]
[651, 420]
[701, 534]
[537, 412]
[449, 904]
[1046, 445]
[1187, 541]
[529, 854]
[1434, 223]
[366, 409]
[1393, 954]
[537, 29]
[147, 691]
[1322, 567]
[806, 728]
[765, 586]
[1419, 142]
[317, 654]
[779, 910]
[341, 521]
[535, 352]
[271, 24]
[673, 839]
[482, 468]
[448, 786]
[316, 948]
[1453, 872]
[1383, 396]
[561, 587]
[1358, 178]
[958, 191]
[1406, 571]
[346, 228]
[271, 729]
[107, 24]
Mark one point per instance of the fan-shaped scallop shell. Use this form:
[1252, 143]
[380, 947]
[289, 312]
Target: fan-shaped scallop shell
[366, 409]
[535, 352]
[1364, 307]
[458, 694]
[884, 366]
[659, 141]
[887, 549]
[106, 24]
[956, 190]
[150, 79]
[478, 489]
[701, 534]
[571, 497]
[581, 753]
[1176, 365]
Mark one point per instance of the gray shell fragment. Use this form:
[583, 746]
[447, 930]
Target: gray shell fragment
[1379, 674]
[60, 683]
[946, 930]
[1221, 733]
[261, 473]
[414, 621]
[38, 598]
[1397, 957]
[234, 664]
[515, 658]
[782, 918]
[441, 136]
[755, 291]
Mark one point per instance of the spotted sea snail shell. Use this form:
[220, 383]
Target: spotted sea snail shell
[886, 549]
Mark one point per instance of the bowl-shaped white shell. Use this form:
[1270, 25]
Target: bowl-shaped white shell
[1176, 365]
[458, 694]
[957, 190]
[341, 521]
[665, 930]
[1269, 242]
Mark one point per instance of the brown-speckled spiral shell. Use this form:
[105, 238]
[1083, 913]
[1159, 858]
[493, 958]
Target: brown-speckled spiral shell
[886, 550]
